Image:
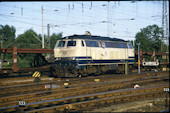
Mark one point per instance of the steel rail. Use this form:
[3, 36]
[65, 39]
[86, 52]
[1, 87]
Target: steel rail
[102, 77]
[99, 84]
[72, 83]
[53, 95]
[81, 89]
[99, 95]
[85, 105]
[93, 96]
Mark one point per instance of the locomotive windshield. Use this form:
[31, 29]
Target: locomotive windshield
[61, 44]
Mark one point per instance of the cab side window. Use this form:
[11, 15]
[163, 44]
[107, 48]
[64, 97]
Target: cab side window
[129, 46]
[82, 43]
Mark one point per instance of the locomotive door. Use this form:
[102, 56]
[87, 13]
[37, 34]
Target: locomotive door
[129, 50]
[88, 49]
[101, 50]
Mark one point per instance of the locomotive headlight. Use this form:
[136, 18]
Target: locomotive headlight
[58, 58]
[72, 58]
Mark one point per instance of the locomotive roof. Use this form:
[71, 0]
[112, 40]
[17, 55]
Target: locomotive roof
[92, 38]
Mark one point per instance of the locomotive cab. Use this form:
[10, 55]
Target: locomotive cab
[69, 48]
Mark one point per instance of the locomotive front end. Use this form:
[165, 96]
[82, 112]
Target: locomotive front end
[65, 53]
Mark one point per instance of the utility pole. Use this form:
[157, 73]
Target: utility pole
[108, 18]
[42, 29]
[1, 53]
[48, 30]
[166, 23]
[138, 57]
[162, 25]
[165, 28]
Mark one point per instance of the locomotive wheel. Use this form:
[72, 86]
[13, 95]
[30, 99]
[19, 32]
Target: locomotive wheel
[56, 71]
[82, 72]
[130, 68]
[121, 69]
[103, 69]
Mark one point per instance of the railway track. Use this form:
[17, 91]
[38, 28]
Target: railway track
[30, 88]
[28, 80]
[85, 101]
[33, 94]
[13, 81]
[95, 88]
[80, 103]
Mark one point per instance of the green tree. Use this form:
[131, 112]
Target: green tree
[29, 39]
[7, 35]
[150, 39]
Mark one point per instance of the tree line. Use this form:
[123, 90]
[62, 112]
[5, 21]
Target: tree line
[29, 39]
[149, 37]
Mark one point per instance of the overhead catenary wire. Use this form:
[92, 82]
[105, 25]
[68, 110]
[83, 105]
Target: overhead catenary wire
[49, 10]
[82, 19]
[19, 20]
[82, 23]
[119, 12]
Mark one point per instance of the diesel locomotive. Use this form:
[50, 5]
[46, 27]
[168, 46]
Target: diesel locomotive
[81, 55]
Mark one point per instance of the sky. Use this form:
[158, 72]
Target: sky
[116, 19]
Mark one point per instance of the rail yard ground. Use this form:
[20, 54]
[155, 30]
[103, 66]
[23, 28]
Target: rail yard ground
[104, 93]
[149, 105]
